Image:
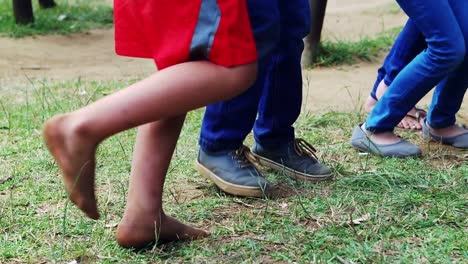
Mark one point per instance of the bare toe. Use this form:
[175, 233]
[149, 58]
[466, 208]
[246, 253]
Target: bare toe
[172, 229]
[412, 123]
[405, 123]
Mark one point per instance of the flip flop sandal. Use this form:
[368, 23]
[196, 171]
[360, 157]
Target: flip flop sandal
[420, 114]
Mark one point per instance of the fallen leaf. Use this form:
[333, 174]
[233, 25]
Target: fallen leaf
[361, 219]
[111, 225]
[62, 17]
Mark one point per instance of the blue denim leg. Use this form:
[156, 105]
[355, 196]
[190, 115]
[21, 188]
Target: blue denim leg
[281, 100]
[226, 124]
[409, 43]
[448, 95]
[446, 51]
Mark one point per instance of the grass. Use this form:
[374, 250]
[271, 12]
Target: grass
[68, 17]
[338, 52]
[404, 210]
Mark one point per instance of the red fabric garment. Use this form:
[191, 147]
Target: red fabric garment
[163, 30]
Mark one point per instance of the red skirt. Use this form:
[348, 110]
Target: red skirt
[176, 31]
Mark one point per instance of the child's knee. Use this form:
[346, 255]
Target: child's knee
[449, 53]
[250, 75]
[236, 80]
[458, 49]
[244, 77]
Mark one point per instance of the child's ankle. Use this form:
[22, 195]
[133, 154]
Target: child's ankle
[80, 128]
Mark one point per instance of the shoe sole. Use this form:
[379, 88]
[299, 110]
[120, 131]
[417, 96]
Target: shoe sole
[227, 187]
[367, 151]
[361, 142]
[300, 176]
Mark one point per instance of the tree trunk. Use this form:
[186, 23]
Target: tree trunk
[23, 12]
[47, 3]
[317, 11]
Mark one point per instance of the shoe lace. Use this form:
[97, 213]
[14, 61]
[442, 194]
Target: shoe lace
[302, 147]
[243, 155]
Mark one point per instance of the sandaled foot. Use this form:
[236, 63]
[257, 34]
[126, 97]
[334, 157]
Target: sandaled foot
[413, 118]
[455, 136]
[362, 141]
[75, 156]
[140, 232]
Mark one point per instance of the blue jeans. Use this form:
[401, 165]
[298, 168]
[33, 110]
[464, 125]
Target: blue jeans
[444, 23]
[409, 43]
[276, 97]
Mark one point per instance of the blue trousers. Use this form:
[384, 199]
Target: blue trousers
[444, 24]
[273, 103]
[409, 43]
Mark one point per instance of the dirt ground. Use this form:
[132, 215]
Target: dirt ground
[91, 56]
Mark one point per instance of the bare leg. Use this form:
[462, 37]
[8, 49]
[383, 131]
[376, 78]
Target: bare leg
[408, 122]
[72, 138]
[144, 220]
[370, 101]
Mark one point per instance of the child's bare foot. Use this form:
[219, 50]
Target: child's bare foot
[75, 156]
[141, 230]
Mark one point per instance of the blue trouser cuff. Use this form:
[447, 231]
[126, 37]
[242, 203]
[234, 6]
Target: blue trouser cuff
[218, 146]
